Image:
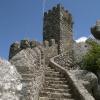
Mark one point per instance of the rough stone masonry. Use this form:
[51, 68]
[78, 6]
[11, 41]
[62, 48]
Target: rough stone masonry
[33, 59]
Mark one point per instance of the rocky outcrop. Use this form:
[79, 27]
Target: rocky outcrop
[10, 84]
[29, 63]
[89, 80]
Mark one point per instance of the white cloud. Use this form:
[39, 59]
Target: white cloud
[81, 39]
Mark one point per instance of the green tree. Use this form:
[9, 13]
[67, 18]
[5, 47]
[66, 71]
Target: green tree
[91, 61]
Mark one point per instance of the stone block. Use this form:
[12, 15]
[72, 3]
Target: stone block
[52, 42]
[25, 44]
[32, 44]
[46, 43]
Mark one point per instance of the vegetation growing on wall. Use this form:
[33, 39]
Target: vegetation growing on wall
[91, 61]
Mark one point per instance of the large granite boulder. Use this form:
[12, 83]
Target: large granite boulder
[89, 80]
[10, 85]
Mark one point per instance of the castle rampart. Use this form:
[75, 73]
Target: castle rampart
[49, 61]
[23, 44]
[50, 49]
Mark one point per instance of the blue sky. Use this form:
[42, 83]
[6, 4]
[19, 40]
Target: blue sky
[20, 19]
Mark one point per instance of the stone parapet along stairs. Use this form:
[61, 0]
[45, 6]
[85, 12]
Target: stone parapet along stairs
[56, 86]
[65, 60]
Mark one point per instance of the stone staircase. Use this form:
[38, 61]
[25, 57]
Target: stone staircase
[56, 86]
[27, 93]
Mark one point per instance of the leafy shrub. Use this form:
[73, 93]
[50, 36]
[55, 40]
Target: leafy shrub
[91, 61]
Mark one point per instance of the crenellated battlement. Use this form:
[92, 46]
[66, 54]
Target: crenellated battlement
[53, 10]
[43, 63]
[46, 43]
[58, 25]
[57, 10]
[14, 49]
[57, 34]
[49, 43]
[15, 46]
[23, 44]
[33, 44]
[49, 47]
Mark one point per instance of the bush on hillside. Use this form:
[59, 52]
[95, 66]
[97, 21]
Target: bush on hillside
[91, 61]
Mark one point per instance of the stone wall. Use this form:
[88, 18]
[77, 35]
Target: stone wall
[66, 30]
[51, 25]
[23, 44]
[58, 25]
[29, 63]
[65, 60]
[10, 81]
[82, 81]
[50, 50]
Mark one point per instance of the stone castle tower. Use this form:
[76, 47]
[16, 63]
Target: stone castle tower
[58, 25]
[57, 34]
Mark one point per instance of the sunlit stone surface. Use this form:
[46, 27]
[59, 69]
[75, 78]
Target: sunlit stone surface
[10, 85]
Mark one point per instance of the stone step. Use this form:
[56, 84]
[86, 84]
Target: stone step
[67, 64]
[55, 95]
[52, 75]
[50, 71]
[57, 86]
[49, 68]
[46, 98]
[27, 77]
[26, 80]
[43, 98]
[56, 82]
[56, 90]
[55, 79]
